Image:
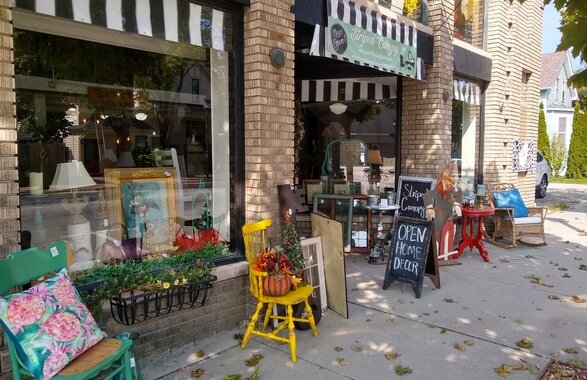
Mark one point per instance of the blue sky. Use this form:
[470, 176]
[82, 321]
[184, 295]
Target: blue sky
[551, 36]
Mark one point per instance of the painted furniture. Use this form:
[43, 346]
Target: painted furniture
[255, 239]
[473, 237]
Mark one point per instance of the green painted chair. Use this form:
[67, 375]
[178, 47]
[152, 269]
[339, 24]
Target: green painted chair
[110, 354]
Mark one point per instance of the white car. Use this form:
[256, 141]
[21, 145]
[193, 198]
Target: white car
[542, 175]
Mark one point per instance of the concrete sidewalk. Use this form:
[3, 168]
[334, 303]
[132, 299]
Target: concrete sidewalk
[463, 330]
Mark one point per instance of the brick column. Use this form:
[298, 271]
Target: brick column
[9, 212]
[426, 116]
[512, 98]
[269, 107]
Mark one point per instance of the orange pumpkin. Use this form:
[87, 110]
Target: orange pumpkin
[276, 285]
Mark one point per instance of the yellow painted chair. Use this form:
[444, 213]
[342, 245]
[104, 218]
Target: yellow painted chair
[254, 235]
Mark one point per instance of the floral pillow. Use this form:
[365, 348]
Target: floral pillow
[49, 325]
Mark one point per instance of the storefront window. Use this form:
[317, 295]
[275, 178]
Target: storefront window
[469, 25]
[144, 123]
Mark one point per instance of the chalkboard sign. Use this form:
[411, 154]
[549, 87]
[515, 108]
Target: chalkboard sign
[409, 251]
[410, 196]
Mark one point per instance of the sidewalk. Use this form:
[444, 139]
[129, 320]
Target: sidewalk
[463, 330]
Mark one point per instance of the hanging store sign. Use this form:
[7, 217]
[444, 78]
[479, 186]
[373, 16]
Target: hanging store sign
[365, 37]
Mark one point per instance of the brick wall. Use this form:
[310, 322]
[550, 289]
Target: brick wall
[269, 107]
[514, 40]
[426, 117]
[9, 213]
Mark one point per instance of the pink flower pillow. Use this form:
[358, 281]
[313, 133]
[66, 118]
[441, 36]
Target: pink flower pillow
[49, 325]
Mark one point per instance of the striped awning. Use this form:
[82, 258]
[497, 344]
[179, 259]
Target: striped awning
[343, 90]
[351, 13]
[171, 20]
[467, 92]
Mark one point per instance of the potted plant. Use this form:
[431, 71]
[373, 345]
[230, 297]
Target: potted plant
[280, 278]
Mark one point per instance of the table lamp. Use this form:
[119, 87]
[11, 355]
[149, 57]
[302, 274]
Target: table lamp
[73, 176]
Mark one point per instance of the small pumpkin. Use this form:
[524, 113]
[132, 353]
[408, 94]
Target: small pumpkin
[276, 285]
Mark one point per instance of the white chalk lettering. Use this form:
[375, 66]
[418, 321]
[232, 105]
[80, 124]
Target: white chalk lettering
[406, 265]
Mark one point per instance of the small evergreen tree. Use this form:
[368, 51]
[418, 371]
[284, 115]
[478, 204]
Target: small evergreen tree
[576, 164]
[558, 155]
[543, 141]
[290, 244]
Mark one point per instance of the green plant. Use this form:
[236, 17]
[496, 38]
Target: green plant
[160, 272]
[577, 159]
[543, 140]
[144, 156]
[558, 154]
[291, 246]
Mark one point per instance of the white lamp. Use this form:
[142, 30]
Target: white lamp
[338, 108]
[72, 176]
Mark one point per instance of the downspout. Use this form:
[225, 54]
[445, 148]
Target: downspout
[481, 135]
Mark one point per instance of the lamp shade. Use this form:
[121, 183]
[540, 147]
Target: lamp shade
[71, 175]
[338, 108]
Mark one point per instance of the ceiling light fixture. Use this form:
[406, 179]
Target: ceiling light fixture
[338, 108]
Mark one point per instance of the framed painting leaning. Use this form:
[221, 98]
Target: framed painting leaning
[143, 201]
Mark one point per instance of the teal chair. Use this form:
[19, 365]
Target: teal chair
[110, 354]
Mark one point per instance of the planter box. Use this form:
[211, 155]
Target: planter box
[136, 306]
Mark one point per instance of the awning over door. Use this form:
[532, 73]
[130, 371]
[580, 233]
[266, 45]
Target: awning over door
[171, 20]
[364, 37]
[344, 90]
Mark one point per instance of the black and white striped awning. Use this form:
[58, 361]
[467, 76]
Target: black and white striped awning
[171, 20]
[343, 90]
[351, 13]
[467, 92]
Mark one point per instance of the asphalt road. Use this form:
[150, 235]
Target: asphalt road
[558, 193]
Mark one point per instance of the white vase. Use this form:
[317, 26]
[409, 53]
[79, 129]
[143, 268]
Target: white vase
[36, 183]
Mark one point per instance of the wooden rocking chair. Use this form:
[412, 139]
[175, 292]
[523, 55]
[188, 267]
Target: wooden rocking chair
[254, 235]
[505, 224]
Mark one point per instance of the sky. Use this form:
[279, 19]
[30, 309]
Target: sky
[551, 36]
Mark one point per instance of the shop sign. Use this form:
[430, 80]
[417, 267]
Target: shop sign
[110, 96]
[358, 44]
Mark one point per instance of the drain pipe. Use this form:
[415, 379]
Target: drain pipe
[481, 135]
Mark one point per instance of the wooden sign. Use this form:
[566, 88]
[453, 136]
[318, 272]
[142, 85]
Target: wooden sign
[411, 254]
[410, 196]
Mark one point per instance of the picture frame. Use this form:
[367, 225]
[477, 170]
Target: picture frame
[141, 204]
[312, 187]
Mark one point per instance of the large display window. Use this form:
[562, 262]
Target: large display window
[124, 134]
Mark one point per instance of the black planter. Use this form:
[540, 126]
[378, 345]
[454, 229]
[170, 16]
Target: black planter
[136, 305]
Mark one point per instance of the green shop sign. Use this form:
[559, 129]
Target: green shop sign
[358, 44]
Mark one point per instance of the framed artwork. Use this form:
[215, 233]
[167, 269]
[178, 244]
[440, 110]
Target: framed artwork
[313, 187]
[143, 200]
[524, 156]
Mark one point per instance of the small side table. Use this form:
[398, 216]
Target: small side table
[377, 242]
[469, 238]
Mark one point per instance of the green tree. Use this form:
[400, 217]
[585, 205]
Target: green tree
[573, 27]
[543, 140]
[577, 159]
[582, 92]
[558, 154]
[290, 244]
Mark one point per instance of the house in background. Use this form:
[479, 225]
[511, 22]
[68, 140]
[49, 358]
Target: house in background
[558, 97]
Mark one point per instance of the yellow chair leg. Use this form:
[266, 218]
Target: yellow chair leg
[292, 333]
[252, 324]
[310, 317]
[268, 314]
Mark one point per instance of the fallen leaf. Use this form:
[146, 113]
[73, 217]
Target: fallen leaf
[368, 320]
[443, 331]
[578, 362]
[183, 369]
[533, 369]
[449, 300]
[503, 370]
[530, 257]
[234, 377]
[553, 297]
[197, 373]
[253, 360]
[526, 343]
[570, 350]
[392, 355]
[342, 361]
[401, 370]
[566, 275]
[200, 354]
[338, 348]
[563, 269]
[577, 299]
[238, 337]
[255, 375]
[357, 347]
[469, 342]
[459, 347]
[401, 301]
[583, 267]
[578, 258]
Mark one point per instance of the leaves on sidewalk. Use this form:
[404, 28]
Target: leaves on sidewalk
[342, 361]
[503, 370]
[469, 342]
[200, 354]
[196, 374]
[583, 267]
[401, 370]
[577, 299]
[570, 350]
[526, 343]
[537, 280]
[253, 360]
[390, 355]
[449, 300]
[338, 348]
[459, 347]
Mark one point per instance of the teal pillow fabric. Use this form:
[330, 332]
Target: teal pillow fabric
[511, 199]
[49, 325]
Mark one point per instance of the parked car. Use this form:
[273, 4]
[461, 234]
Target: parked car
[542, 175]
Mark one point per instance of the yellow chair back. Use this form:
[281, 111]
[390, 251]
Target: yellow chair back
[255, 238]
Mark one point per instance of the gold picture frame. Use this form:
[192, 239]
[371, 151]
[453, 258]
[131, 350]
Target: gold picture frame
[143, 201]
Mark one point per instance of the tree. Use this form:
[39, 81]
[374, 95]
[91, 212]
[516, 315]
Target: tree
[577, 161]
[573, 26]
[582, 92]
[557, 155]
[543, 140]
